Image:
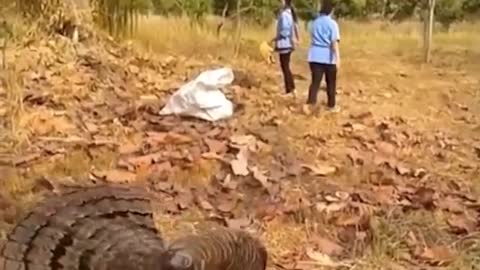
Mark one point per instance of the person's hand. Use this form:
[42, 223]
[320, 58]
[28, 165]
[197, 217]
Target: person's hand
[272, 41]
[338, 64]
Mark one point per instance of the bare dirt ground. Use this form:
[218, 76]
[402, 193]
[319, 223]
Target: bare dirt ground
[390, 182]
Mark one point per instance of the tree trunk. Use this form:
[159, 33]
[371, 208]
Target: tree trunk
[223, 20]
[384, 9]
[238, 34]
[428, 30]
[4, 54]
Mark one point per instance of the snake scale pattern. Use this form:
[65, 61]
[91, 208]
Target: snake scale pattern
[111, 227]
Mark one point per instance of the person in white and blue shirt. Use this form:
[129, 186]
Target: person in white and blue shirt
[284, 41]
[324, 55]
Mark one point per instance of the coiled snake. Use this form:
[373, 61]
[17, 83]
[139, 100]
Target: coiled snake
[111, 227]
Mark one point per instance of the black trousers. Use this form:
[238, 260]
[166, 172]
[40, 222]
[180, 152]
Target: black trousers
[317, 71]
[287, 73]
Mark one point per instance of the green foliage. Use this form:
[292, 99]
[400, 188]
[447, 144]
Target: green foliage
[263, 11]
[307, 9]
[6, 30]
[119, 16]
[166, 7]
[195, 9]
[449, 11]
[260, 11]
[471, 6]
[403, 9]
[351, 8]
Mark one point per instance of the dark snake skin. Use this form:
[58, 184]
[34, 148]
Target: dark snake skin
[112, 228]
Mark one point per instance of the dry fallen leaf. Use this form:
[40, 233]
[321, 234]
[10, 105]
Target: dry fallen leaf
[320, 170]
[205, 205]
[133, 69]
[167, 137]
[44, 184]
[402, 170]
[128, 148]
[451, 204]
[227, 205]
[385, 195]
[329, 208]
[424, 197]
[437, 255]
[238, 223]
[170, 207]
[184, 200]
[327, 246]
[163, 186]
[239, 167]
[145, 160]
[419, 173]
[385, 148]
[240, 164]
[355, 157]
[276, 173]
[357, 221]
[143, 172]
[215, 146]
[228, 183]
[461, 224]
[243, 140]
[176, 138]
[267, 211]
[160, 168]
[116, 176]
[156, 137]
[24, 159]
[321, 259]
[212, 156]
[293, 167]
[260, 177]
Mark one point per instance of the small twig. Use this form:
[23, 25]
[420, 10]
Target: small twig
[332, 264]
[472, 235]
[4, 48]
[308, 232]
[241, 11]
[78, 140]
[224, 18]
[7, 34]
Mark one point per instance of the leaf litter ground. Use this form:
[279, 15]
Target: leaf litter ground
[390, 182]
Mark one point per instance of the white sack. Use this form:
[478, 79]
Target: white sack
[202, 97]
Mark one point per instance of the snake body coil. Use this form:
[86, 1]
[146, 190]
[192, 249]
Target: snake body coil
[112, 228]
[91, 228]
[217, 249]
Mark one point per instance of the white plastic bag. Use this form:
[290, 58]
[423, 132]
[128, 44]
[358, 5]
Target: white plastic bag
[202, 97]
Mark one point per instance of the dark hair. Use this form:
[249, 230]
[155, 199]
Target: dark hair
[289, 4]
[327, 7]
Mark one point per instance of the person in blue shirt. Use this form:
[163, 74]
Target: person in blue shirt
[284, 41]
[324, 55]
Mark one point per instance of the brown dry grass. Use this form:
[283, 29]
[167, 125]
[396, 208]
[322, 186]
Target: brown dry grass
[374, 54]
[177, 35]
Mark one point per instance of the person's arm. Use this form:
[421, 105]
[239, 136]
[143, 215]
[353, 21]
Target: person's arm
[297, 34]
[278, 28]
[336, 50]
[336, 44]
